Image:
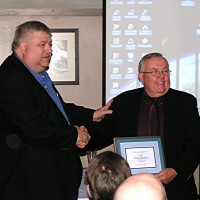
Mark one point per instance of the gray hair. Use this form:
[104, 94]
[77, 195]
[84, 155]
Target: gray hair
[26, 28]
[148, 56]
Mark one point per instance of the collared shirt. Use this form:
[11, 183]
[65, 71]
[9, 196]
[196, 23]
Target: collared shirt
[44, 79]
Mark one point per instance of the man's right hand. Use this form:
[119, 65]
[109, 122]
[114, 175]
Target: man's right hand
[83, 137]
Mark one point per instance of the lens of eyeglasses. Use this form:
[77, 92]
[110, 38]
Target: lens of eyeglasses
[157, 72]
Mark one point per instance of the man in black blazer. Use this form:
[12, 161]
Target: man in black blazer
[178, 124]
[39, 134]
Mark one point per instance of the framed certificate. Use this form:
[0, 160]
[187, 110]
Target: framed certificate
[143, 154]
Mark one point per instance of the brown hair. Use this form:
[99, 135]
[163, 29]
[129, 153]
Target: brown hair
[26, 28]
[105, 173]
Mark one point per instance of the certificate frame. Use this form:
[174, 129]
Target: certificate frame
[143, 154]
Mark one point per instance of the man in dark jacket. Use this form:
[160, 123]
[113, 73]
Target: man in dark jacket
[176, 121]
[39, 141]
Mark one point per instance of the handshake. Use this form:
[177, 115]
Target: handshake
[83, 137]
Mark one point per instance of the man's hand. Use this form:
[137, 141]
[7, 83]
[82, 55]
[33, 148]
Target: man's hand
[166, 175]
[102, 112]
[83, 137]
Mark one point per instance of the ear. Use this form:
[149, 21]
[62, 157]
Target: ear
[141, 77]
[88, 190]
[23, 47]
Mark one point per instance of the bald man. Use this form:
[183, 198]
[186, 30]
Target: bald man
[141, 187]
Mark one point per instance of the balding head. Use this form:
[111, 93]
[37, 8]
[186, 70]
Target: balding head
[141, 187]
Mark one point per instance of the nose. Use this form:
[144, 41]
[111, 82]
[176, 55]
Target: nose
[49, 49]
[161, 72]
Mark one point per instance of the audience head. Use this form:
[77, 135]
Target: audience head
[105, 173]
[141, 187]
[154, 74]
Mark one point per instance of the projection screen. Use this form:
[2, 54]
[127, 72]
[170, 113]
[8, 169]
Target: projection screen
[133, 28]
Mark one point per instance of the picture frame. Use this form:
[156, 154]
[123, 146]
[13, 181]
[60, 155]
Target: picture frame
[64, 65]
[143, 154]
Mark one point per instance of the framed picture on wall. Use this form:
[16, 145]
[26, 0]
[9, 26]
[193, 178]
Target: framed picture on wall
[64, 65]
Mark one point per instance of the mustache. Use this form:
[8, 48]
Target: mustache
[47, 55]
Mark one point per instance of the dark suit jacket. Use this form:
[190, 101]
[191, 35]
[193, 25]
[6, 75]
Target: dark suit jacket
[181, 134]
[38, 155]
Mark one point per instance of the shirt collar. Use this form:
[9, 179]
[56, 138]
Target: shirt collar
[38, 76]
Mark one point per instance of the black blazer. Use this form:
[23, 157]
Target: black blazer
[181, 134]
[37, 146]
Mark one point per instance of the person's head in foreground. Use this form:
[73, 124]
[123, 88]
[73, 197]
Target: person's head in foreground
[141, 187]
[105, 173]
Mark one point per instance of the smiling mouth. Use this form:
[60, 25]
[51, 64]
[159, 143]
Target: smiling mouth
[160, 83]
[47, 58]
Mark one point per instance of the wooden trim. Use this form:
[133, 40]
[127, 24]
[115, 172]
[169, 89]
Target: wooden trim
[51, 12]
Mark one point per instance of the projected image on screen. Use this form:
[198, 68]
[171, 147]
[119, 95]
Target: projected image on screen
[133, 28]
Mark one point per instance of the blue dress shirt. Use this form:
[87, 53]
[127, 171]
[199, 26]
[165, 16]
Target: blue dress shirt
[44, 79]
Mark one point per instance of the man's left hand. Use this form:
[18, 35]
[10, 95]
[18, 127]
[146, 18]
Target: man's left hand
[102, 112]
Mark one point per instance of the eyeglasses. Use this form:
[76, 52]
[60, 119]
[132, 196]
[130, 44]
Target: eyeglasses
[157, 72]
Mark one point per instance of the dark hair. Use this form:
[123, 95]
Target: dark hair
[105, 173]
[148, 56]
[26, 28]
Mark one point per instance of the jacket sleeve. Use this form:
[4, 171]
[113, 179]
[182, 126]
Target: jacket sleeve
[190, 157]
[35, 118]
[79, 115]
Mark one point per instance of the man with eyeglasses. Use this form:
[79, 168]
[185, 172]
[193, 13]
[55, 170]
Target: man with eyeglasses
[157, 109]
